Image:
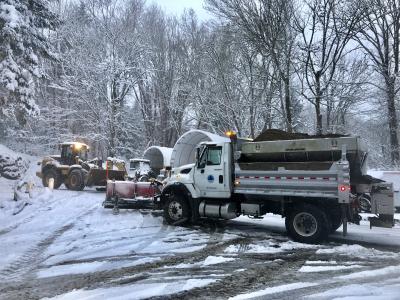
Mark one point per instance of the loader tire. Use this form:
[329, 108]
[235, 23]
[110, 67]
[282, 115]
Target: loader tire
[52, 173]
[307, 224]
[176, 210]
[76, 180]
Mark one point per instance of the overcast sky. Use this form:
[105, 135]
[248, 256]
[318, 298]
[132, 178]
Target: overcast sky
[176, 7]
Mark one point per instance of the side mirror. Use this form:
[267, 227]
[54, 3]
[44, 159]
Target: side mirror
[168, 168]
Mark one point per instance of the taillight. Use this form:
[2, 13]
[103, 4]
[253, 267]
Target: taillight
[343, 188]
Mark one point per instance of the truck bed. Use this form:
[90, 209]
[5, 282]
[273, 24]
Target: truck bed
[304, 183]
[306, 154]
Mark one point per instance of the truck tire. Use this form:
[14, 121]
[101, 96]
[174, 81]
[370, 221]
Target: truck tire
[307, 224]
[52, 173]
[365, 203]
[76, 180]
[176, 210]
[144, 178]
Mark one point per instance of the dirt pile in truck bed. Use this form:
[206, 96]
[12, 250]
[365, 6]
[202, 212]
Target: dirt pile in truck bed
[276, 135]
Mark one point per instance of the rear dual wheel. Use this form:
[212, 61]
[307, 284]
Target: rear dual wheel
[308, 224]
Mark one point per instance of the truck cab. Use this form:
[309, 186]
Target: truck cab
[213, 170]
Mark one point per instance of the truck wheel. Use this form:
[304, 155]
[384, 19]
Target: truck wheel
[307, 224]
[75, 180]
[52, 173]
[176, 210]
[365, 203]
[144, 178]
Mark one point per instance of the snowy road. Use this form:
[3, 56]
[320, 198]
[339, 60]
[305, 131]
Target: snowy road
[65, 245]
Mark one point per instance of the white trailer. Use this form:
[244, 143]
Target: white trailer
[310, 182]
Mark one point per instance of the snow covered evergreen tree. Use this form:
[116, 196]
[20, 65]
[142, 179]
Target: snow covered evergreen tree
[24, 27]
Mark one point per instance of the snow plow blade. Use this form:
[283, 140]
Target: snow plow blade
[131, 194]
[128, 203]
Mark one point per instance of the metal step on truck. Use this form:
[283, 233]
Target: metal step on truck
[316, 183]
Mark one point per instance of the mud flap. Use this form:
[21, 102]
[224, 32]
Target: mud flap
[382, 205]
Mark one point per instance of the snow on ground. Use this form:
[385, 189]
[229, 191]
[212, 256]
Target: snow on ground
[273, 290]
[135, 291]
[309, 269]
[386, 290]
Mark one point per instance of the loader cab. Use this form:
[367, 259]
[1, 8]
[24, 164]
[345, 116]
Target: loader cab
[213, 169]
[70, 152]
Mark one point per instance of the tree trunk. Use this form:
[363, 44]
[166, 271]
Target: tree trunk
[288, 107]
[318, 96]
[393, 125]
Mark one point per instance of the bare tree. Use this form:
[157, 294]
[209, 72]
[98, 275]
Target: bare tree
[268, 26]
[326, 28]
[347, 91]
[380, 39]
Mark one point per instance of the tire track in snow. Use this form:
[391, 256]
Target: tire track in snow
[31, 259]
[35, 214]
[37, 288]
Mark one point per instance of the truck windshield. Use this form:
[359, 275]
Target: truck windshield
[134, 165]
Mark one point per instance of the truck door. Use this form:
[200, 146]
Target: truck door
[211, 176]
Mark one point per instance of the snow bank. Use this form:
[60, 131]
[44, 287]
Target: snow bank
[12, 165]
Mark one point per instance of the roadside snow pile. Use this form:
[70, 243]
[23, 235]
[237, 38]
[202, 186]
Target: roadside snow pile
[358, 251]
[269, 246]
[10, 207]
[12, 165]
[16, 170]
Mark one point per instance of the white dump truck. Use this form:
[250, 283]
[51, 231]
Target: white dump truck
[315, 183]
